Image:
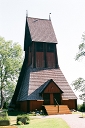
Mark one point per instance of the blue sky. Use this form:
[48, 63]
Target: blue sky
[68, 20]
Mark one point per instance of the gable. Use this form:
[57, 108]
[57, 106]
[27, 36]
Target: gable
[51, 87]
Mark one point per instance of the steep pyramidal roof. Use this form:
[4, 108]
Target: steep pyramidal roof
[33, 81]
[41, 30]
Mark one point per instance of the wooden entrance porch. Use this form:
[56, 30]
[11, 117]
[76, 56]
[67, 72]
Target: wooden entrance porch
[56, 109]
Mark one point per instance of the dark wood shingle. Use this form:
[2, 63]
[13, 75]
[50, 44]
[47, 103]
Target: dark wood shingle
[38, 78]
[41, 30]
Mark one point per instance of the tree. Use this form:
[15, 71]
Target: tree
[79, 84]
[81, 52]
[10, 65]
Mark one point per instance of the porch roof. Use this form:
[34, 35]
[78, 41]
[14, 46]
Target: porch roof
[46, 84]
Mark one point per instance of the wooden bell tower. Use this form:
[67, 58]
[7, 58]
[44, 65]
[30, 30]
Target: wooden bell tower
[40, 50]
[40, 70]
[42, 55]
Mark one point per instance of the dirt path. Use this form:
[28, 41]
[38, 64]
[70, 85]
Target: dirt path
[73, 120]
[8, 127]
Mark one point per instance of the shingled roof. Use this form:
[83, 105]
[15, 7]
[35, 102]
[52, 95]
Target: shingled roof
[41, 30]
[34, 80]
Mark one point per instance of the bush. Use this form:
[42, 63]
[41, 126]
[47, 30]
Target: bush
[4, 119]
[4, 115]
[19, 123]
[24, 119]
[81, 108]
[4, 122]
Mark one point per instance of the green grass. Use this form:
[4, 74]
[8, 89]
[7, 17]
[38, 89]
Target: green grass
[38, 122]
[46, 123]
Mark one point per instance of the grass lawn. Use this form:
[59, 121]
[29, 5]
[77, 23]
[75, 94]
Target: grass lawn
[46, 123]
[36, 122]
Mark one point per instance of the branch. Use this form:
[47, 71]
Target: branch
[81, 54]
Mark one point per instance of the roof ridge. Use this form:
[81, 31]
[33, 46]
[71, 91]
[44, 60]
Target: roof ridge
[38, 18]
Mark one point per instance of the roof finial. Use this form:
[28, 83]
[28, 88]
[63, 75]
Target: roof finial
[49, 16]
[26, 13]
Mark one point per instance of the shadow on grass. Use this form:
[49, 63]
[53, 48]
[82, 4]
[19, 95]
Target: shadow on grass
[15, 113]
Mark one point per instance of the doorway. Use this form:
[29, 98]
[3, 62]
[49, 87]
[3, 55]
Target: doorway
[46, 97]
[57, 98]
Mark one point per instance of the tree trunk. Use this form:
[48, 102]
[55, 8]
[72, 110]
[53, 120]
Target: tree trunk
[2, 98]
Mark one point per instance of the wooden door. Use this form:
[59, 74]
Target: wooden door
[46, 97]
[57, 98]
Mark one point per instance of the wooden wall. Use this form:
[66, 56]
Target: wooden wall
[72, 104]
[51, 99]
[41, 57]
[40, 62]
[50, 58]
[52, 88]
[23, 106]
[35, 105]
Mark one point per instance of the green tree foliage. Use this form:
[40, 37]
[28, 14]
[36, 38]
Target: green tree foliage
[79, 84]
[10, 65]
[81, 52]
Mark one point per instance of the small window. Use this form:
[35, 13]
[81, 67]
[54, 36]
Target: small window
[50, 47]
[39, 47]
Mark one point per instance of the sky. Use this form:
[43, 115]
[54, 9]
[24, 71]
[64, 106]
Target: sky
[68, 20]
